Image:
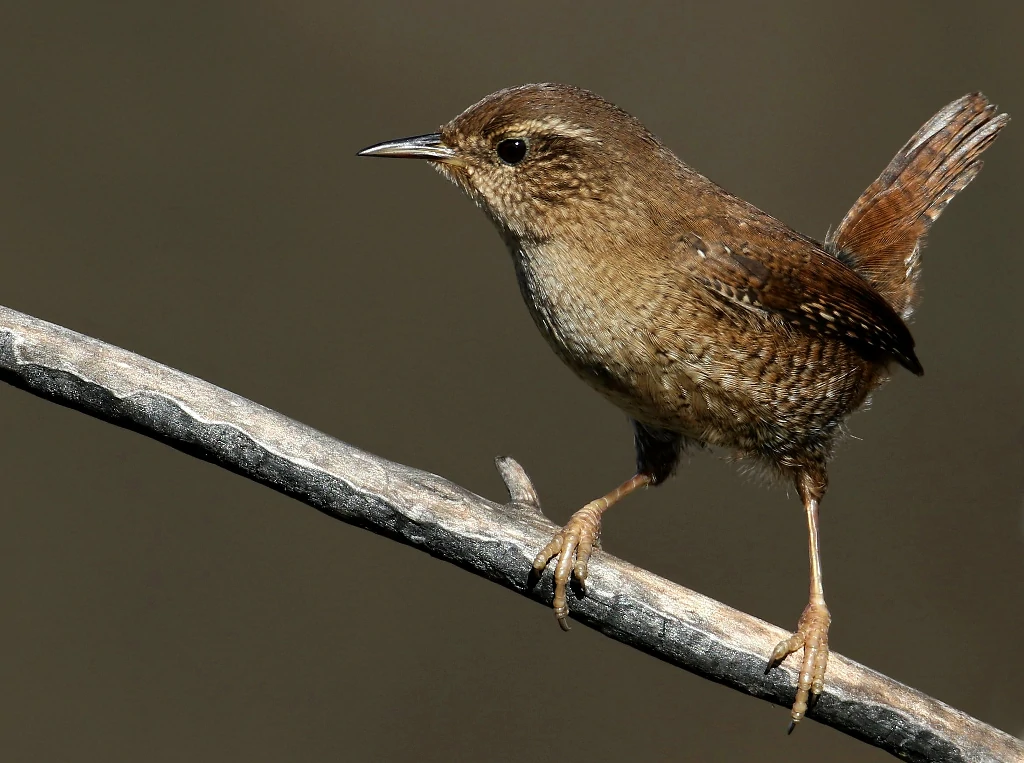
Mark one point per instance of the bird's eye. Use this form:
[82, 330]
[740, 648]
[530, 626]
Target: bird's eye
[512, 150]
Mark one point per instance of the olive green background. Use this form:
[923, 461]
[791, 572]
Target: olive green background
[180, 179]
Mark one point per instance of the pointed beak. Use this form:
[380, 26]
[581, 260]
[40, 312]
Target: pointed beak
[421, 147]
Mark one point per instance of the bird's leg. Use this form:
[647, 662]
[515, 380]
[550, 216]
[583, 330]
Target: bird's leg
[812, 628]
[574, 543]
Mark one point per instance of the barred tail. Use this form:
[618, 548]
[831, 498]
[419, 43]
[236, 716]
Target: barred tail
[881, 235]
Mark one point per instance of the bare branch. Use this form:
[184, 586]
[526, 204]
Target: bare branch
[495, 541]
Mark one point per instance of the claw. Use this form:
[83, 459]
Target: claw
[574, 544]
[562, 616]
[812, 635]
[571, 547]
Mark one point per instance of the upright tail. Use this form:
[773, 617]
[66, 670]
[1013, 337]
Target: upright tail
[881, 235]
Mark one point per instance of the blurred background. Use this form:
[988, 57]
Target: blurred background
[180, 179]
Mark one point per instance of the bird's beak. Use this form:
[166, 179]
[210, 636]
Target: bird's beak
[421, 147]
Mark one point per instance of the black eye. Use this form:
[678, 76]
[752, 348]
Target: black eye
[512, 150]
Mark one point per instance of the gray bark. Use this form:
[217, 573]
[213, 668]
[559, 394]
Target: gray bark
[496, 541]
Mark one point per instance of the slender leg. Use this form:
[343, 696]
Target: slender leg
[812, 628]
[574, 543]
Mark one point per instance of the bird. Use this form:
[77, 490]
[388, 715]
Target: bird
[706, 320]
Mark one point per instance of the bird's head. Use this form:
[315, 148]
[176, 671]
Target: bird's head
[537, 158]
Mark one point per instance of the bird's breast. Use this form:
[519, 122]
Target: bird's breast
[590, 310]
[566, 303]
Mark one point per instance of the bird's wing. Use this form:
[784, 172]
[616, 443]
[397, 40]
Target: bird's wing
[807, 288]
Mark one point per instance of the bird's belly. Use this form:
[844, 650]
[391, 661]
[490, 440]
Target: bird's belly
[772, 393]
[773, 399]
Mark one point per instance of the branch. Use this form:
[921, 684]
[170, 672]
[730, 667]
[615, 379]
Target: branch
[495, 541]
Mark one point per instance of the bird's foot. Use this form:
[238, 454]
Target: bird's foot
[572, 545]
[812, 635]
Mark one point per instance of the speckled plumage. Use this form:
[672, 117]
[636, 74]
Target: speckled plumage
[703, 318]
[688, 308]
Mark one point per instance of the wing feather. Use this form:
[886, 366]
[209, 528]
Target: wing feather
[808, 288]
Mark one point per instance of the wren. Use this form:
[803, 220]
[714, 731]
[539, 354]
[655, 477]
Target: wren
[703, 318]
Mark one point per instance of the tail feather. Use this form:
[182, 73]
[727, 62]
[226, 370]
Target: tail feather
[881, 235]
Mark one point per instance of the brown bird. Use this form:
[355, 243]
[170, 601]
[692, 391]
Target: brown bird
[705, 319]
